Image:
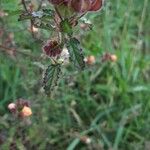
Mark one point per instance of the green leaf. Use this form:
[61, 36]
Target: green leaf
[51, 77]
[13, 13]
[11, 5]
[40, 19]
[75, 51]
[48, 13]
[66, 26]
[43, 25]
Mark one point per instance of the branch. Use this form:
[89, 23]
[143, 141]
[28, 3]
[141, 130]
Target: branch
[13, 49]
[24, 5]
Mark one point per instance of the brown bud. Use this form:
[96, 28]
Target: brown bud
[109, 57]
[21, 103]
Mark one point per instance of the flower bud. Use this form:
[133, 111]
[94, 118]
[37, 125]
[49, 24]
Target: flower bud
[90, 60]
[26, 111]
[96, 5]
[113, 58]
[85, 139]
[12, 107]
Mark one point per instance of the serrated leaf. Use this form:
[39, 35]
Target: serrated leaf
[75, 51]
[43, 25]
[51, 77]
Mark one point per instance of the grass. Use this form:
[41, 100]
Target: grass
[108, 102]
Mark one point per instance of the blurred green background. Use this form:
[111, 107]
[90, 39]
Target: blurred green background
[108, 103]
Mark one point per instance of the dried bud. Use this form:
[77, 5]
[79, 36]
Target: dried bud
[85, 139]
[26, 111]
[90, 60]
[109, 57]
[106, 57]
[52, 48]
[21, 103]
[113, 58]
[12, 107]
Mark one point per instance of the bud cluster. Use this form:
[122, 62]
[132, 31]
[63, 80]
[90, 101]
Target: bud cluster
[62, 21]
[109, 57]
[20, 109]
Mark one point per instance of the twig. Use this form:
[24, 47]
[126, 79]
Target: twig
[6, 48]
[13, 49]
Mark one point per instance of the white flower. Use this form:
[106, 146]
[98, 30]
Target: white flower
[12, 106]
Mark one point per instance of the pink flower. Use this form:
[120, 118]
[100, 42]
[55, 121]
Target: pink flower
[52, 48]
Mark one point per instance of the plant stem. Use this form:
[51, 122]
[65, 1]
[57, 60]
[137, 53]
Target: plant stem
[58, 13]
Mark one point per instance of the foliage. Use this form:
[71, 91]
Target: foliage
[108, 102]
